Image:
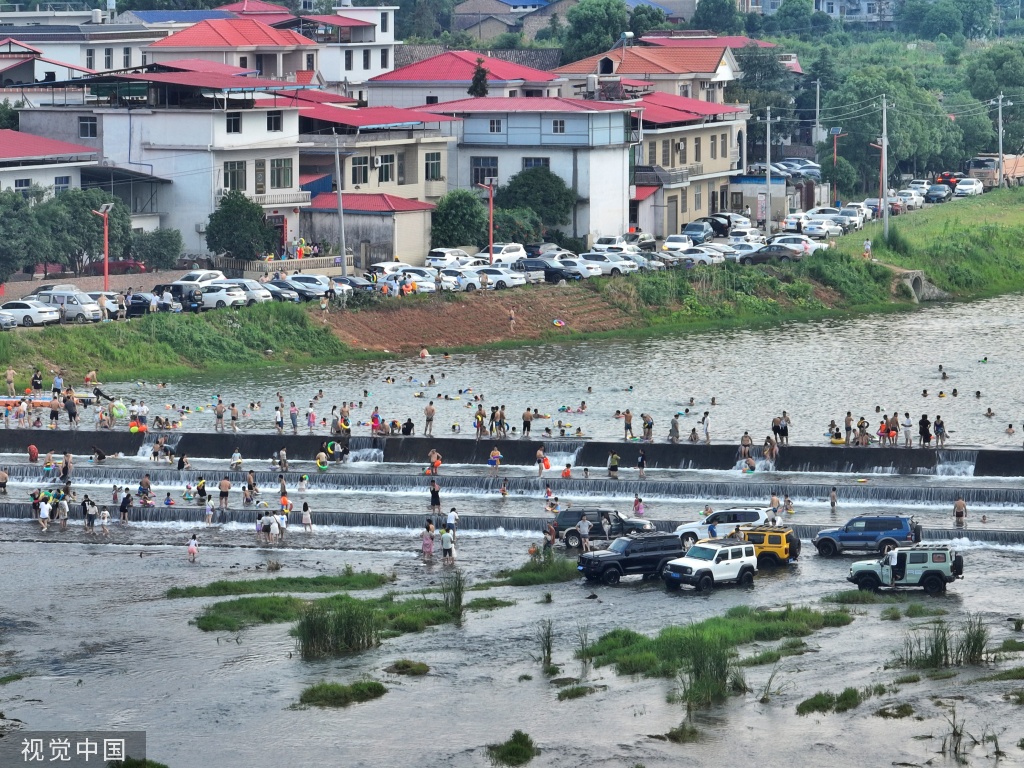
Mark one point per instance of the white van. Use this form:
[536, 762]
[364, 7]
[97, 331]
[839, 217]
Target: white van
[78, 306]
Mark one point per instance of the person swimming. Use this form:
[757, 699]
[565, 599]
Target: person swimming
[990, 413]
[924, 393]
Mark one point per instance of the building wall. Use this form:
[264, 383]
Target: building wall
[271, 64]
[487, 28]
[539, 19]
[43, 176]
[374, 237]
[332, 61]
[414, 184]
[385, 94]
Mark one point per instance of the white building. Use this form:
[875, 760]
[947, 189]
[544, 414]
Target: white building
[586, 143]
[34, 161]
[96, 47]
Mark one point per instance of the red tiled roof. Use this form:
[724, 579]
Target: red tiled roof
[357, 202]
[305, 76]
[370, 117]
[308, 178]
[664, 108]
[253, 6]
[728, 41]
[793, 65]
[15, 145]
[650, 61]
[524, 104]
[643, 192]
[339, 21]
[213, 81]
[323, 97]
[458, 67]
[232, 33]
[10, 41]
[201, 65]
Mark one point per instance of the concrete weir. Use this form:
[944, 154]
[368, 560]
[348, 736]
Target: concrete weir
[465, 450]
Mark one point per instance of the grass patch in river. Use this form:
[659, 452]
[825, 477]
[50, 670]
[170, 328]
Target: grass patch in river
[907, 679]
[684, 733]
[1015, 697]
[12, 678]
[920, 610]
[518, 750]
[543, 568]
[325, 694]
[1016, 673]
[488, 603]
[407, 667]
[861, 597]
[234, 615]
[891, 613]
[347, 580]
[894, 711]
[575, 692]
[1011, 645]
[794, 646]
[847, 699]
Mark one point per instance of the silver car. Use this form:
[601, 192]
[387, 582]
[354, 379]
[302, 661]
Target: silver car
[7, 321]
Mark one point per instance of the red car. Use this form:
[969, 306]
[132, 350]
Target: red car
[117, 267]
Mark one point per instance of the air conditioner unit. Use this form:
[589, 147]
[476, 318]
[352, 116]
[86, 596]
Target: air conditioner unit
[201, 228]
[223, 191]
[377, 162]
[680, 145]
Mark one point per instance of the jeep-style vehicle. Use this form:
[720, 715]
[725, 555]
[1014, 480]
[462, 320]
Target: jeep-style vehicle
[645, 554]
[878, 533]
[711, 562]
[773, 545]
[725, 520]
[622, 525]
[931, 566]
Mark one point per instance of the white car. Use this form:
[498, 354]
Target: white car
[455, 279]
[745, 235]
[968, 188]
[504, 253]
[677, 243]
[647, 262]
[624, 261]
[919, 185]
[911, 198]
[795, 222]
[724, 520]
[499, 278]
[382, 268]
[822, 228]
[603, 243]
[318, 283]
[723, 248]
[700, 254]
[736, 220]
[470, 262]
[801, 162]
[395, 280]
[7, 321]
[822, 211]
[581, 267]
[29, 313]
[220, 295]
[445, 257]
[420, 273]
[854, 214]
[801, 243]
[254, 291]
[201, 276]
[607, 262]
[866, 213]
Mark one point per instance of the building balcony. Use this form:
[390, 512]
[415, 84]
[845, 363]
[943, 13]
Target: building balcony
[281, 197]
[657, 176]
[371, 137]
[435, 188]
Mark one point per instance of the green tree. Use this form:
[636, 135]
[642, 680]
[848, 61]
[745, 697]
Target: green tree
[25, 240]
[541, 191]
[239, 227]
[459, 219]
[976, 17]
[765, 82]
[478, 87]
[716, 15]
[842, 176]
[554, 31]
[76, 233]
[514, 225]
[507, 41]
[943, 17]
[794, 17]
[976, 127]
[594, 26]
[158, 249]
[644, 18]
[9, 114]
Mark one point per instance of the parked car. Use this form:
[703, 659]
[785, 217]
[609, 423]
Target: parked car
[647, 262]
[774, 545]
[822, 212]
[921, 185]
[140, 304]
[420, 273]
[949, 178]
[699, 232]
[643, 554]
[189, 295]
[221, 295]
[736, 220]
[282, 294]
[746, 235]
[7, 321]
[582, 267]
[623, 261]
[968, 188]
[304, 292]
[727, 251]
[868, 532]
[455, 279]
[621, 525]
[701, 254]
[115, 267]
[912, 199]
[643, 240]
[938, 193]
[856, 215]
[254, 290]
[499, 278]
[603, 243]
[711, 562]
[796, 222]
[504, 253]
[550, 270]
[931, 566]
[607, 262]
[676, 243]
[536, 249]
[771, 252]
[719, 226]
[354, 282]
[534, 273]
[801, 162]
[78, 306]
[823, 228]
[444, 257]
[201, 276]
[867, 214]
[742, 250]
[321, 284]
[382, 268]
[27, 312]
[800, 243]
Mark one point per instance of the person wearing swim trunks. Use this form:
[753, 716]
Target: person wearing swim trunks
[527, 422]
[540, 460]
[960, 512]
[234, 418]
[428, 415]
[224, 486]
[435, 497]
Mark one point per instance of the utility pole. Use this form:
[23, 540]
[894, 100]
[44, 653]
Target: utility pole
[768, 169]
[817, 114]
[884, 199]
[341, 212]
[1000, 102]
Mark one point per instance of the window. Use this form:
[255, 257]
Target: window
[830, 8]
[725, 145]
[386, 172]
[274, 121]
[495, 126]
[558, 126]
[432, 166]
[348, 61]
[384, 22]
[145, 58]
[90, 58]
[23, 186]
[696, 195]
[243, 61]
[234, 175]
[696, 149]
[871, 8]
[916, 558]
[938, 557]
[431, 99]
[536, 162]
[400, 165]
[61, 184]
[366, 59]
[666, 153]
[281, 173]
[682, 200]
[736, 201]
[234, 122]
[87, 127]
[483, 168]
[682, 151]
[310, 61]
[108, 58]
[652, 151]
[714, 148]
[383, 58]
[126, 57]
[360, 170]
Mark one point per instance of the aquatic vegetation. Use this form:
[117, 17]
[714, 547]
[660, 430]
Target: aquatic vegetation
[518, 750]
[234, 615]
[684, 733]
[349, 580]
[576, 692]
[940, 647]
[1012, 645]
[488, 604]
[334, 629]
[13, 677]
[920, 610]
[1017, 673]
[823, 701]
[861, 597]
[453, 589]
[892, 613]
[546, 639]
[324, 694]
[1015, 697]
[524, 678]
[907, 679]
[545, 567]
[407, 667]
[895, 711]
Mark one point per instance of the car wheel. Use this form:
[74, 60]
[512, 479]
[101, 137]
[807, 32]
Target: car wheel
[250, 302]
[868, 583]
[933, 585]
[500, 285]
[747, 579]
[27, 321]
[610, 576]
[783, 259]
[705, 583]
[615, 272]
[827, 548]
[689, 539]
[221, 305]
[80, 319]
[470, 287]
[767, 561]
[748, 262]
[573, 540]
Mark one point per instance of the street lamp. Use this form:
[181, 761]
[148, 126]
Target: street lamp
[836, 133]
[104, 212]
[490, 213]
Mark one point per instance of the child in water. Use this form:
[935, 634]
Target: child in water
[193, 548]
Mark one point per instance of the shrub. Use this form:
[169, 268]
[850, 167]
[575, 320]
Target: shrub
[332, 629]
[407, 667]
[518, 750]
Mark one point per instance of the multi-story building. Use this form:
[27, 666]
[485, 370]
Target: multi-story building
[175, 142]
[35, 161]
[97, 47]
[447, 77]
[22, 65]
[586, 143]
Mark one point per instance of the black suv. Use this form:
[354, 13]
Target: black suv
[621, 525]
[644, 554]
[553, 272]
[191, 299]
[874, 533]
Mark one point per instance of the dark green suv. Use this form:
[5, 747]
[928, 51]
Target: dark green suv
[622, 525]
[643, 554]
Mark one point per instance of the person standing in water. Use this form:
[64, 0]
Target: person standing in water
[193, 548]
[960, 512]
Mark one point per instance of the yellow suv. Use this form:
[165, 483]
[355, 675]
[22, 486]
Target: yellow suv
[774, 545]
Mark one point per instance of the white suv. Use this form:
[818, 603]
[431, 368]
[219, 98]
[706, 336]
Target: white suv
[604, 243]
[606, 262]
[220, 295]
[254, 291]
[506, 254]
[201, 276]
[712, 562]
[445, 257]
[724, 520]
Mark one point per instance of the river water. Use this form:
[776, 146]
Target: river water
[88, 622]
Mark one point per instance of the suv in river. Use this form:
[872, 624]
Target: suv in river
[712, 562]
[869, 532]
[724, 520]
[773, 545]
[566, 520]
[931, 566]
[645, 554]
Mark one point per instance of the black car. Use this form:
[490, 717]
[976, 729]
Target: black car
[305, 293]
[355, 283]
[643, 554]
[719, 225]
[938, 193]
[553, 271]
[566, 521]
[643, 240]
[699, 232]
[282, 294]
[766, 253]
[191, 299]
[141, 302]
